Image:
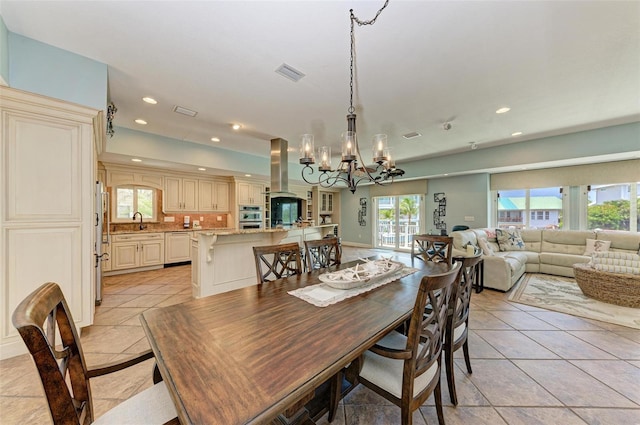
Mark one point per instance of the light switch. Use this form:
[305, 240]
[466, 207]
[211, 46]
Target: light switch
[169, 219]
[469, 218]
[219, 218]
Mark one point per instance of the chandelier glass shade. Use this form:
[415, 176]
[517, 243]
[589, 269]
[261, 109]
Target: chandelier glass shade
[348, 171]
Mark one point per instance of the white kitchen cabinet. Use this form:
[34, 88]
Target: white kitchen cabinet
[130, 251]
[47, 170]
[180, 194]
[326, 203]
[121, 177]
[213, 195]
[177, 247]
[250, 193]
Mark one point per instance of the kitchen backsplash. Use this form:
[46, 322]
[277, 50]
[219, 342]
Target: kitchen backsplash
[209, 221]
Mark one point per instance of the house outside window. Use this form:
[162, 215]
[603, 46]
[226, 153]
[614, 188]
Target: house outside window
[613, 207]
[530, 208]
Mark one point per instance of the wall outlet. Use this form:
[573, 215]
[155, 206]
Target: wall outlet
[469, 218]
[169, 219]
[201, 218]
[219, 218]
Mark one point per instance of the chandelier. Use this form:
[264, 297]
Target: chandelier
[348, 171]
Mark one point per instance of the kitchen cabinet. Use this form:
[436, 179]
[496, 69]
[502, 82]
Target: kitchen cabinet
[180, 194]
[213, 196]
[326, 203]
[137, 250]
[47, 175]
[250, 193]
[122, 177]
[177, 247]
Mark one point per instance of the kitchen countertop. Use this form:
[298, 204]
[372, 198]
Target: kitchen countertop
[218, 230]
[201, 229]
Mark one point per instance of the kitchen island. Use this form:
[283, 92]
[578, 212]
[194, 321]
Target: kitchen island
[222, 261]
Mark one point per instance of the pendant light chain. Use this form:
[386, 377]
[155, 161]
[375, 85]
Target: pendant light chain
[360, 23]
[352, 169]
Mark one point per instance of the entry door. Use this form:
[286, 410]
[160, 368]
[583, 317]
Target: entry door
[397, 218]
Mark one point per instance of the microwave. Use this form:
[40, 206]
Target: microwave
[249, 213]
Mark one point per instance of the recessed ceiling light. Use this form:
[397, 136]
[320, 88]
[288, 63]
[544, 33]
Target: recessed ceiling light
[247, 175]
[503, 110]
[150, 100]
[517, 133]
[141, 121]
[136, 160]
[202, 169]
[215, 139]
[236, 126]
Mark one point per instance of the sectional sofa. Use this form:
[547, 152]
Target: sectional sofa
[538, 251]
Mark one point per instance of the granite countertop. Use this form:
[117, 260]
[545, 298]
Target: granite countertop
[200, 229]
[212, 232]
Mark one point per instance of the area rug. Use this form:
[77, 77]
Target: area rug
[563, 294]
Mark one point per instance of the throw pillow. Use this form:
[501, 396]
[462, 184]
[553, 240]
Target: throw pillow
[509, 240]
[484, 245]
[594, 245]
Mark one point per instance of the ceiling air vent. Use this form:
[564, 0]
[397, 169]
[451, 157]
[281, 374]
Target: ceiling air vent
[411, 135]
[289, 72]
[184, 111]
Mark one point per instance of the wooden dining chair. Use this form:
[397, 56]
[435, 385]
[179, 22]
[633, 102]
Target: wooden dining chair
[458, 319]
[406, 369]
[322, 253]
[64, 373]
[276, 261]
[432, 248]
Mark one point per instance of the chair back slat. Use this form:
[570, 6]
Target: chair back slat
[322, 253]
[39, 318]
[462, 291]
[432, 248]
[427, 326]
[277, 261]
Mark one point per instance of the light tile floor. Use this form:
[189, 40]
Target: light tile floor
[530, 366]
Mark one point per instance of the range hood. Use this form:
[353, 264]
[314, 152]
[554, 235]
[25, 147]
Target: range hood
[280, 170]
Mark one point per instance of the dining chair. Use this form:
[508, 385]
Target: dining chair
[432, 248]
[458, 319]
[406, 369]
[41, 316]
[322, 253]
[276, 261]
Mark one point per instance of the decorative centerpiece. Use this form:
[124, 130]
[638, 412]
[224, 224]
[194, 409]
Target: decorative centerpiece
[361, 274]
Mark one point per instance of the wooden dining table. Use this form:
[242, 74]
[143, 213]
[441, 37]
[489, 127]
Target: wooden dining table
[244, 356]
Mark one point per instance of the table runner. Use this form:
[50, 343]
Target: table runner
[322, 295]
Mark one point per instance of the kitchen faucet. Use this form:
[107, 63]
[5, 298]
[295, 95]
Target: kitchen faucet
[134, 217]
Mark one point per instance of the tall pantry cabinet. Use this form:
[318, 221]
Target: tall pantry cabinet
[47, 166]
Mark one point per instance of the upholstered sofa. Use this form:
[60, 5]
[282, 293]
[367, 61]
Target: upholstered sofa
[538, 251]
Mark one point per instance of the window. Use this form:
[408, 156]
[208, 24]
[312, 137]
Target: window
[530, 208]
[131, 199]
[397, 218]
[610, 207]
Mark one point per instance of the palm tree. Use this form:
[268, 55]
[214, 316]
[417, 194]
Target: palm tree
[387, 214]
[409, 207]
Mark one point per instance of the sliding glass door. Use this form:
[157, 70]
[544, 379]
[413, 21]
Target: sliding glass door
[397, 218]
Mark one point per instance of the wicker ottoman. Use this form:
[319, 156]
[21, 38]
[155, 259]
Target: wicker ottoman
[613, 288]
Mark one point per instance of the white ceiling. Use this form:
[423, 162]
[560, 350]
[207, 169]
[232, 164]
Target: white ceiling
[562, 66]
